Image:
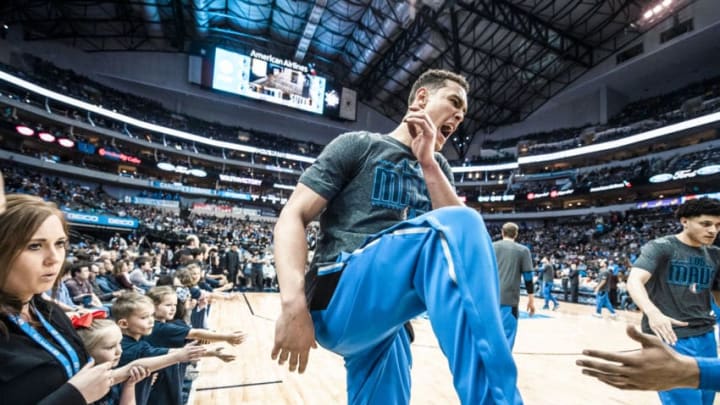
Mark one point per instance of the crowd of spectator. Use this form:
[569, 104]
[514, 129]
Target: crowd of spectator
[638, 116]
[688, 102]
[583, 241]
[69, 83]
[90, 91]
[585, 179]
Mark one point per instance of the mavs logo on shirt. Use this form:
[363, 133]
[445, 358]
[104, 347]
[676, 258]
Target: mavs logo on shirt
[692, 272]
[400, 186]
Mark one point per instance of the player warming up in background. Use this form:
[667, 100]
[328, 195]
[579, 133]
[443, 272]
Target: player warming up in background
[514, 262]
[671, 281]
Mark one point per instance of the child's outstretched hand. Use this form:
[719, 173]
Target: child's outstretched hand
[218, 352]
[192, 352]
[236, 338]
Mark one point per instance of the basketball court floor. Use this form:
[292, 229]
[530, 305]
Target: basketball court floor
[545, 352]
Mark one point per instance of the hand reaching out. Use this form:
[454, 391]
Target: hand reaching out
[192, 352]
[218, 352]
[236, 338]
[655, 367]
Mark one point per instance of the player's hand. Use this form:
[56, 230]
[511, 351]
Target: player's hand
[531, 305]
[92, 381]
[423, 131]
[294, 337]
[662, 326]
[655, 367]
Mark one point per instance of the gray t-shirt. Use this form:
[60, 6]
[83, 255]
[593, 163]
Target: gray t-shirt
[604, 275]
[513, 259]
[682, 277]
[371, 182]
[548, 273]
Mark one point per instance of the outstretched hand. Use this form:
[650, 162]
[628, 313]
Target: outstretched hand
[655, 367]
[294, 337]
[226, 357]
[235, 338]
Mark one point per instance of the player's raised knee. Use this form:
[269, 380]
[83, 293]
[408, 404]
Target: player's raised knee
[459, 217]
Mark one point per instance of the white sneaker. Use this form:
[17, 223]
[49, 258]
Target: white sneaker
[613, 316]
[596, 315]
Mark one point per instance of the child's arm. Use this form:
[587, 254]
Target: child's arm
[217, 352]
[234, 338]
[137, 373]
[191, 352]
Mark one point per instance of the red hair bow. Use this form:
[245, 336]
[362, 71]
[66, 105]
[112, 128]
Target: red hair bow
[85, 320]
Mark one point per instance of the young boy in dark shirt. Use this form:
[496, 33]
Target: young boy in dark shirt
[133, 313]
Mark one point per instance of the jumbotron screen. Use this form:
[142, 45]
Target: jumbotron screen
[269, 78]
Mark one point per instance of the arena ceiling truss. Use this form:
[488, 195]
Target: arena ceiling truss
[517, 54]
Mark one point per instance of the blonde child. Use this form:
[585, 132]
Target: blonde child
[174, 333]
[133, 314]
[168, 332]
[102, 341]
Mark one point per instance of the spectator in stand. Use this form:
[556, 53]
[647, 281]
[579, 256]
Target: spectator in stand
[80, 288]
[117, 242]
[120, 273]
[34, 234]
[142, 276]
[95, 279]
[231, 263]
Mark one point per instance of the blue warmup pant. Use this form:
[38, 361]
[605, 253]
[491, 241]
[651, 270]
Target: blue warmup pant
[602, 300]
[442, 262]
[547, 294]
[510, 324]
[696, 346]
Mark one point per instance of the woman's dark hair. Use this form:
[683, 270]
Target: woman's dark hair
[23, 216]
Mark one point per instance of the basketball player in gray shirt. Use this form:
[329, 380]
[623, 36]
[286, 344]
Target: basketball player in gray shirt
[671, 283]
[514, 262]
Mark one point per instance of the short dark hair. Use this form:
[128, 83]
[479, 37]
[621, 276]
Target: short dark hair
[434, 79]
[75, 269]
[696, 208]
